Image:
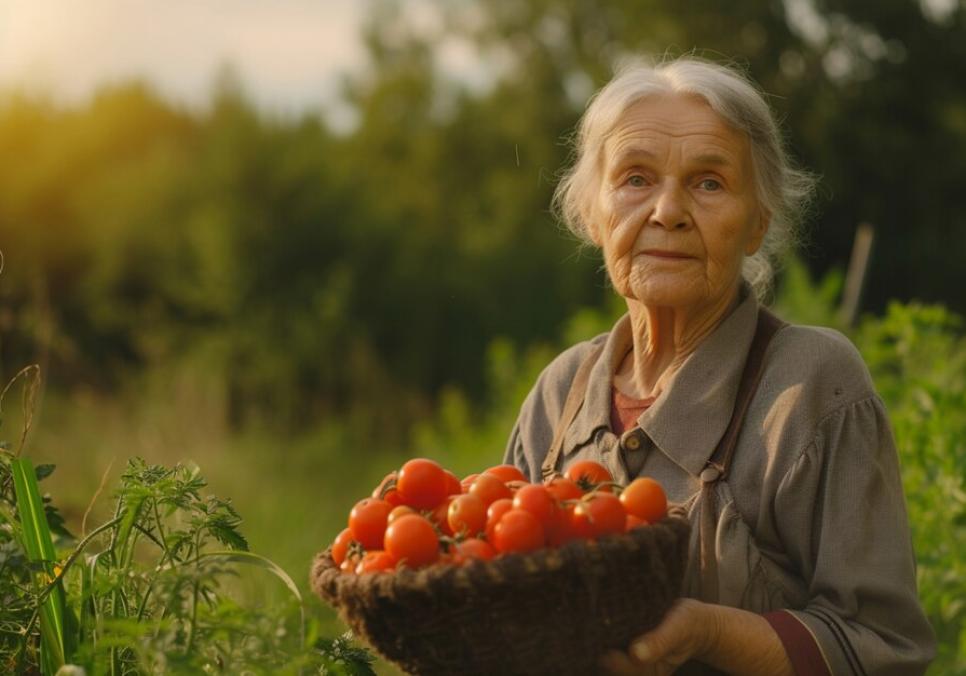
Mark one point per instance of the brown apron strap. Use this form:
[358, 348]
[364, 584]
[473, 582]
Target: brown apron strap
[575, 399]
[720, 462]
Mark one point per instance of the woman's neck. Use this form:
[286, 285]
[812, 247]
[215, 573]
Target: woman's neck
[663, 338]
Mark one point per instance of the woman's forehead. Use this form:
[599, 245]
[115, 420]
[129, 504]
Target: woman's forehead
[650, 125]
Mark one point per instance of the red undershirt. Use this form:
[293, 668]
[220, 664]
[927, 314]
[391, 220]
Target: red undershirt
[624, 411]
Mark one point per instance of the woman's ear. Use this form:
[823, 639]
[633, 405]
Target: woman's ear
[758, 232]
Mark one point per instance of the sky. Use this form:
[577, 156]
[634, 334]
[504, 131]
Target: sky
[289, 54]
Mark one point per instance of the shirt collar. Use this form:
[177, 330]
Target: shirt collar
[595, 412]
[689, 418]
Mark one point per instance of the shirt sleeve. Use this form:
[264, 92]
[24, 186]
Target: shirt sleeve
[521, 444]
[800, 645]
[841, 513]
[513, 455]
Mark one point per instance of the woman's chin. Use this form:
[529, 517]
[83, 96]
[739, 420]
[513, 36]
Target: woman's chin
[680, 295]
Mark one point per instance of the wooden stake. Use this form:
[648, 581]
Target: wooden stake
[855, 277]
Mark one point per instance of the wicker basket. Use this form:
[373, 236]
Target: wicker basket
[555, 611]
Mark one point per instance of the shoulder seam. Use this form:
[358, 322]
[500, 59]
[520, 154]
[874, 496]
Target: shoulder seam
[813, 440]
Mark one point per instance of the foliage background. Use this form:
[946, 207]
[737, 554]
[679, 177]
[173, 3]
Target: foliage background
[298, 308]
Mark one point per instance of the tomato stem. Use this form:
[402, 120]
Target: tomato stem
[388, 484]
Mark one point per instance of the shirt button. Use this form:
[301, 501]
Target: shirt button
[632, 440]
[710, 474]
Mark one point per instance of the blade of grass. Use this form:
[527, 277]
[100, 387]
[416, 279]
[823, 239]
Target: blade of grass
[31, 376]
[93, 621]
[39, 545]
[88, 609]
[258, 561]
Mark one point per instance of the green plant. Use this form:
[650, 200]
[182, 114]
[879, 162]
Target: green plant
[917, 355]
[148, 591]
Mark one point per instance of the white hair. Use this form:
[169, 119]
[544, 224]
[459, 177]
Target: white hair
[783, 190]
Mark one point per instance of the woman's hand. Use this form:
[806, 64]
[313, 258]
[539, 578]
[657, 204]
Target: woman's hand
[732, 640]
[689, 630]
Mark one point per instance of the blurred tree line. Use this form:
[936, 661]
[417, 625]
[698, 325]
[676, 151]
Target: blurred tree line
[307, 273]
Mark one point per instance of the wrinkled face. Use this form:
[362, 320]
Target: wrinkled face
[677, 208]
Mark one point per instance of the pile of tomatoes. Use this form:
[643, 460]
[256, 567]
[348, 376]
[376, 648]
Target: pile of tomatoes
[423, 514]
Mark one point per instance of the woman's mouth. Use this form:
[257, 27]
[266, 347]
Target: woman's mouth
[664, 253]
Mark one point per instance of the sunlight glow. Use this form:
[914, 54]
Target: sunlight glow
[288, 53]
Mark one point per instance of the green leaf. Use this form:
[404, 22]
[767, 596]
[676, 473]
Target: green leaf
[222, 522]
[341, 657]
[44, 471]
[39, 546]
[125, 539]
[227, 534]
[56, 522]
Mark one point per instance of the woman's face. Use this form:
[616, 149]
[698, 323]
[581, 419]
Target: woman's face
[677, 208]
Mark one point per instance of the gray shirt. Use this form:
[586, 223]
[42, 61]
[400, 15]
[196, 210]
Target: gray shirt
[812, 517]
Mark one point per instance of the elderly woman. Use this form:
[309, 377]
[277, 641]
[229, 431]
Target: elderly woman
[771, 435]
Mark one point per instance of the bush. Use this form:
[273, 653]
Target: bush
[917, 355]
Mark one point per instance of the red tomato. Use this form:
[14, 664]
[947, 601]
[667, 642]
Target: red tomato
[374, 562]
[562, 488]
[367, 521]
[558, 530]
[474, 548]
[587, 474]
[633, 522]
[349, 565]
[493, 514]
[453, 485]
[440, 516]
[507, 473]
[514, 486]
[518, 531]
[468, 481]
[467, 514]
[340, 547]
[412, 541]
[421, 483]
[537, 500]
[578, 525]
[644, 498]
[605, 513]
[398, 511]
[489, 488]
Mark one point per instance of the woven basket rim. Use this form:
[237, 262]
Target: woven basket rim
[546, 558]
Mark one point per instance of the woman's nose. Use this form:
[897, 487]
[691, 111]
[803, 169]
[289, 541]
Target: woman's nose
[670, 209]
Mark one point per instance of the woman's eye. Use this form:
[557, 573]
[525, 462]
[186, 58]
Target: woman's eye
[636, 181]
[710, 185]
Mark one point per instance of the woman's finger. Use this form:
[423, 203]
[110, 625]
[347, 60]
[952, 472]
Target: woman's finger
[621, 664]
